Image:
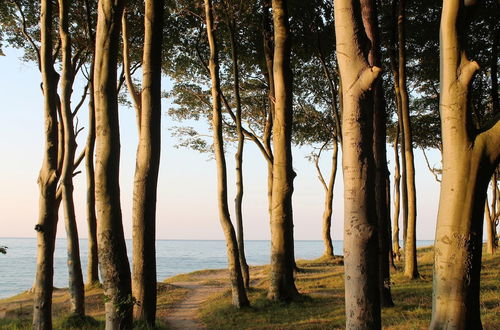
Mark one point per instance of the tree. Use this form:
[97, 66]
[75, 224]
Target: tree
[47, 180]
[237, 286]
[362, 299]
[492, 215]
[282, 285]
[147, 166]
[112, 251]
[469, 158]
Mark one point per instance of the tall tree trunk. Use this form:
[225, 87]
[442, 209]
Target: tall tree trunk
[491, 217]
[362, 298]
[239, 158]
[397, 177]
[369, 14]
[93, 260]
[327, 213]
[237, 286]
[112, 250]
[411, 270]
[469, 159]
[282, 284]
[47, 179]
[76, 287]
[147, 166]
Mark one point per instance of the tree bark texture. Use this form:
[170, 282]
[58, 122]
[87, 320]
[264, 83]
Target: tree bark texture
[47, 179]
[239, 297]
[370, 23]
[411, 270]
[147, 167]
[282, 283]
[362, 298]
[396, 249]
[111, 243]
[328, 211]
[76, 287]
[469, 159]
[238, 201]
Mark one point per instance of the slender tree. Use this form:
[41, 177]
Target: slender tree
[469, 158]
[362, 299]
[147, 166]
[47, 180]
[111, 243]
[282, 284]
[237, 286]
[76, 287]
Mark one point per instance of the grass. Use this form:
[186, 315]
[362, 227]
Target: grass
[322, 307]
[18, 309]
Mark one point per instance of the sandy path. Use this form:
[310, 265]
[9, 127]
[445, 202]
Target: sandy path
[184, 314]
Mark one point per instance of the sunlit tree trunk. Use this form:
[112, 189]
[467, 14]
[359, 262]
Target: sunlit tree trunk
[76, 287]
[47, 179]
[282, 284]
[239, 296]
[411, 269]
[328, 211]
[362, 298]
[111, 243]
[147, 166]
[93, 260]
[397, 177]
[469, 158]
[238, 201]
[370, 22]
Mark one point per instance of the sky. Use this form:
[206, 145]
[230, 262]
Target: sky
[186, 205]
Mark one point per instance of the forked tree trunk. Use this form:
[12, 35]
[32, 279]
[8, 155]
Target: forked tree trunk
[147, 166]
[411, 270]
[238, 201]
[112, 250]
[469, 159]
[282, 284]
[369, 14]
[397, 177]
[76, 287]
[362, 298]
[239, 296]
[93, 260]
[328, 211]
[47, 179]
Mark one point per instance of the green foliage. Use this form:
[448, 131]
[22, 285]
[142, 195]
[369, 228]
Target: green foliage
[3, 249]
[76, 321]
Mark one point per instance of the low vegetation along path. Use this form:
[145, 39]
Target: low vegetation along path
[184, 313]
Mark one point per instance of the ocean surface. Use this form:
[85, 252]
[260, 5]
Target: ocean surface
[17, 267]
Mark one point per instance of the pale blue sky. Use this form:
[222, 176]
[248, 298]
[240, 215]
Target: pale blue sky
[186, 190]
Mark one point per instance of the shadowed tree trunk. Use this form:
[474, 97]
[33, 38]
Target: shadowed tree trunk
[93, 260]
[362, 298]
[282, 284]
[469, 158]
[47, 179]
[238, 157]
[239, 296]
[147, 166]
[76, 287]
[411, 270]
[112, 250]
[369, 14]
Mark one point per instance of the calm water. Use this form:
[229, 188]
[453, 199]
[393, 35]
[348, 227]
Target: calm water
[17, 267]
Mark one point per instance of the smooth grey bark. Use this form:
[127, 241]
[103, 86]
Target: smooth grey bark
[47, 179]
[362, 297]
[282, 283]
[113, 259]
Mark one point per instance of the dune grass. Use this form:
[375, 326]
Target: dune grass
[322, 307]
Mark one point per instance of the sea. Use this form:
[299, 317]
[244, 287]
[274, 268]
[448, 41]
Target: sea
[17, 267]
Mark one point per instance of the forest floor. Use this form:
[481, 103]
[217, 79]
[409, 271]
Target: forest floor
[202, 300]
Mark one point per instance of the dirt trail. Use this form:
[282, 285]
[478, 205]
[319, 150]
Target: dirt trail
[184, 314]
